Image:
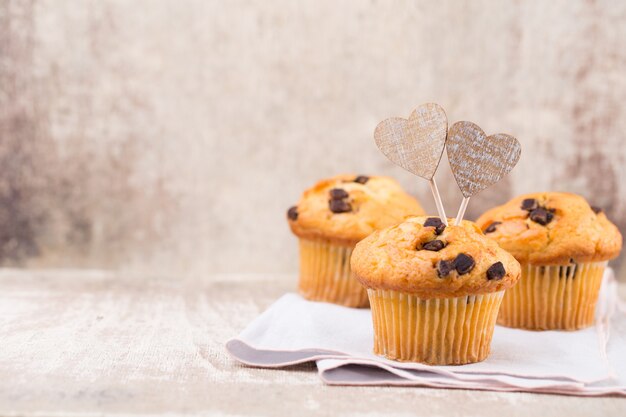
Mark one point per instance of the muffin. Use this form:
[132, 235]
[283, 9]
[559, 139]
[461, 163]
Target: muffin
[434, 291]
[330, 219]
[563, 245]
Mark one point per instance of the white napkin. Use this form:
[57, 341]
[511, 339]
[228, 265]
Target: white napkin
[586, 362]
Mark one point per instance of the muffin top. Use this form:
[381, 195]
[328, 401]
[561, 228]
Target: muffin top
[347, 208]
[552, 229]
[423, 257]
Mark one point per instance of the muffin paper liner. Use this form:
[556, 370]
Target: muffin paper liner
[325, 274]
[439, 331]
[559, 297]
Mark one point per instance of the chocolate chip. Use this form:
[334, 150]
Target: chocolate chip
[529, 204]
[444, 268]
[433, 222]
[496, 271]
[492, 227]
[568, 271]
[338, 194]
[292, 213]
[541, 216]
[362, 179]
[463, 263]
[436, 223]
[339, 206]
[434, 245]
[596, 209]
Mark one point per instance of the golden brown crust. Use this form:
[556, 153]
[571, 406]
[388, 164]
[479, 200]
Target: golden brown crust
[378, 203]
[392, 259]
[575, 233]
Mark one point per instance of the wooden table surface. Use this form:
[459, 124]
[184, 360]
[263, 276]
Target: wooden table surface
[90, 343]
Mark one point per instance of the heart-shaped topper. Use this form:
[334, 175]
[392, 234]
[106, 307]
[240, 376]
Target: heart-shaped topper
[416, 144]
[478, 160]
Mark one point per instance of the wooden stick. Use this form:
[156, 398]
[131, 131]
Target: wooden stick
[438, 203]
[461, 213]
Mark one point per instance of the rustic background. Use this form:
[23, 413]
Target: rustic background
[170, 137]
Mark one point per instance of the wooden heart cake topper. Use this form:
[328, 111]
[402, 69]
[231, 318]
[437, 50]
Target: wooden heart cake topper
[416, 144]
[478, 160]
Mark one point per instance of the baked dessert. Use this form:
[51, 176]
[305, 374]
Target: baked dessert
[434, 290]
[563, 245]
[330, 218]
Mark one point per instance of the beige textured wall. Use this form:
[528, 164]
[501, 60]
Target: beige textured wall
[170, 137]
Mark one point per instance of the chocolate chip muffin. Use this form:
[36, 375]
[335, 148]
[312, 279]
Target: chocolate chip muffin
[330, 218]
[434, 291]
[563, 245]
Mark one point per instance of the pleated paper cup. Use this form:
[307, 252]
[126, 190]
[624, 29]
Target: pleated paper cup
[559, 297]
[438, 331]
[325, 274]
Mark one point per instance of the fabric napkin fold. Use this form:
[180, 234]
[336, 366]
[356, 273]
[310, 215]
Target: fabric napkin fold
[586, 362]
